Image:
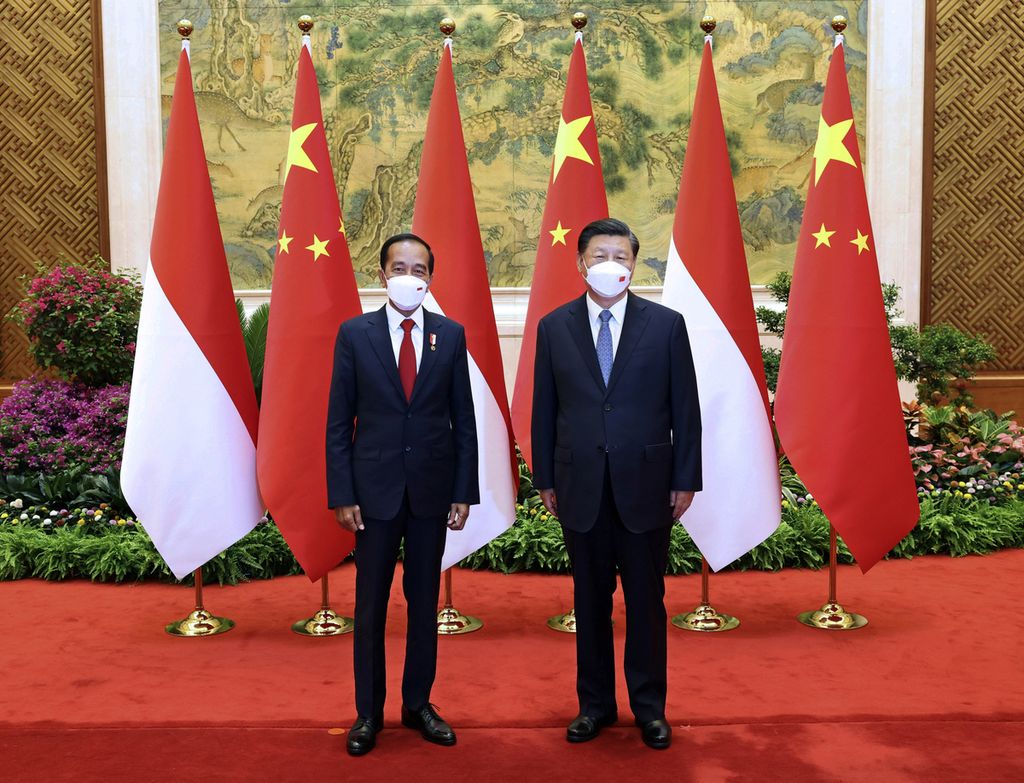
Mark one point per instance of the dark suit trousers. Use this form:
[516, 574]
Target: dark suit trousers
[376, 552]
[641, 559]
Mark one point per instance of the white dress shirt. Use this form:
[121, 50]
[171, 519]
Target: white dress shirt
[614, 323]
[397, 333]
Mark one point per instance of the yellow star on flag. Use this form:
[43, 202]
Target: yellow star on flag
[822, 237]
[282, 243]
[861, 242]
[558, 235]
[341, 225]
[296, 155]
[318, 247]
[568, 144]
[829, 146]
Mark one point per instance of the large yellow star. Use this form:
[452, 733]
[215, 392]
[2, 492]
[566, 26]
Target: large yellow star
[282, 243]
[568, 145]
[558, 235]
[318, 247]
[822, 237]
[829, 146]
[296, 155]
[861, 242]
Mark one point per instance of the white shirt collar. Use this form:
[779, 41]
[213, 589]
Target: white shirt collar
[618, 309]
[395, 318]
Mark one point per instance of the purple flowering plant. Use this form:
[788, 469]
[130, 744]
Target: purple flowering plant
[82, 322]
[50, 426]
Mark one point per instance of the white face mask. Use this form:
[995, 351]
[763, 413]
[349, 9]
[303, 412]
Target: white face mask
[609, 278]
[407, 291]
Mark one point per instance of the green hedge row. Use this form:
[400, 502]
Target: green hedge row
[117, 554]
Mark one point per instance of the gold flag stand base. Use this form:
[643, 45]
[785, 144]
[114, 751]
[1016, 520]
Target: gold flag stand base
[705, 618]
[566, 623]
[200, 622]
[326, 622]
[832, 617]
[450, 621]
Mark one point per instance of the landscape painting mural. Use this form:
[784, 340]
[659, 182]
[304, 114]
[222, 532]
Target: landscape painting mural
[375, 63]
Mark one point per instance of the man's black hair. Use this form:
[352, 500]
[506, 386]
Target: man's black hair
[606, 227]
[404, 238]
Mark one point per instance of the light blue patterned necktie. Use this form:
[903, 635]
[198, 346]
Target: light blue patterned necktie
[604, 345]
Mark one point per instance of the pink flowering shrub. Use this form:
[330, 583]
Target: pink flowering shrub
[972, 455]
[82, 322]
[49, 426]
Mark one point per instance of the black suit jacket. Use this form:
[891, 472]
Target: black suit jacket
[646, 423]
[426, 446]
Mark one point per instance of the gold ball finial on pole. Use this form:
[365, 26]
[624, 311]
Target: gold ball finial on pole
[579, 20]
[447, 26]
[305, 23]
[708, 24]
[839, 23]
[185, 27]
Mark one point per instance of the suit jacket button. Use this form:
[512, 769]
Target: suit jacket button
[408, 448]
[607, 407]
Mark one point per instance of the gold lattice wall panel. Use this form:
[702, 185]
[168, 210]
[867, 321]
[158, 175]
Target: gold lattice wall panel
[977, 241]
[50, 195]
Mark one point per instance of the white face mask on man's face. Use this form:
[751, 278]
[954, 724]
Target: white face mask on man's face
[608, 278]
[407, 291]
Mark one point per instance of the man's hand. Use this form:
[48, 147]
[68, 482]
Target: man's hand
[349, 518]
[458, 515]
[549, 500]
[680, 501]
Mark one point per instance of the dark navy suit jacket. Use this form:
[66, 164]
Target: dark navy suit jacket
[645, 424]
[425, 446]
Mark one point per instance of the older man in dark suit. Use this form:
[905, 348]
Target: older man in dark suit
[407, 471]
[616, 451]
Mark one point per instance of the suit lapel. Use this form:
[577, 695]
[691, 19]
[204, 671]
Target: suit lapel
[634, 323]
[380, 339]
[579, 325]
[432, 324]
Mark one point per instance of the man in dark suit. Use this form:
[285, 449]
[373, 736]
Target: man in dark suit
[406, 471]
[616, 456]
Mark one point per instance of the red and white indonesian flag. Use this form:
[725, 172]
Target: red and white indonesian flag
[707, 281]
[445, 216]
[189, 465]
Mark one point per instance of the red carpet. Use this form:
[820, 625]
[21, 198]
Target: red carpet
[932, 689]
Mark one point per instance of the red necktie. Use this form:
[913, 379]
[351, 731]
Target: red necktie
[407, 359]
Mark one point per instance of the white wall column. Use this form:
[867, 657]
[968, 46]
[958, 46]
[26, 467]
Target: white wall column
[895, 142]
[131, 97]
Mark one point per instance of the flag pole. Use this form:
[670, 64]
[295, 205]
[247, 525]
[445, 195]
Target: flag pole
[832, 616]
[325, 622]
[450, 621]
[566, 623]
[705, 617]
[200, 622]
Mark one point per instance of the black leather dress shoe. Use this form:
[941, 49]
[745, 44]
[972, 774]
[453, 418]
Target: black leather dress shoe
[584, 728]
[657, 734]
[362, 737]
[430, 724]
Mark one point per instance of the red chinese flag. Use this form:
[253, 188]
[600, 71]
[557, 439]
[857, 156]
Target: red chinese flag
[314, 290]
[576, 197]
[837, 408]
